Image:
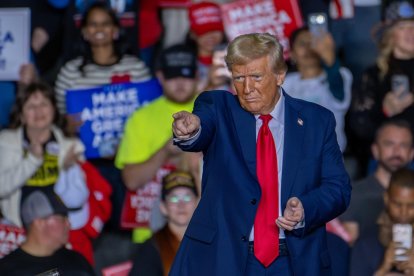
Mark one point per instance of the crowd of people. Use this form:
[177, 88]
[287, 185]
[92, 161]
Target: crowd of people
[83, 214]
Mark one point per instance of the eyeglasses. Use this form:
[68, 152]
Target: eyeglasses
[175, 199]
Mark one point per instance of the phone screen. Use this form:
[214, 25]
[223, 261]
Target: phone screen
[402, 237]
[400, 83]
[318, 24]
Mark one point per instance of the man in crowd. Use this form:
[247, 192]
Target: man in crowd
[146, 152]
[376, 254]
[273, 173]
[392, 149]
[179, 198]
[47, 230]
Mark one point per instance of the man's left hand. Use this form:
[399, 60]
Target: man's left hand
[292, 215]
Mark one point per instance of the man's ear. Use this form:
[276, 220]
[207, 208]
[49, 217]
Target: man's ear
[375, 151]
[160, 76]
[280, 78]
[37, 223]
[386, 198]
[411, 153]
[163, 209]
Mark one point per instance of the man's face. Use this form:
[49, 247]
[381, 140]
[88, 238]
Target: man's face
[179, 206]
[57, 229]
[179, 90]
[393, 148]
[399, 202]
[257, 85]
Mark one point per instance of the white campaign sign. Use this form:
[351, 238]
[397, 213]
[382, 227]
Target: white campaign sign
[14, 41]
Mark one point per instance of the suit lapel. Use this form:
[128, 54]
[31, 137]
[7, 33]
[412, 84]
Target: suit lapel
[245, 124]
[295, 126]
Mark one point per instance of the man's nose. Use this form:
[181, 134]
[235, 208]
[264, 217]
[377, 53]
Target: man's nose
[248, 86]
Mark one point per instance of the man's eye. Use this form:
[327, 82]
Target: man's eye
[257, 78]
[173, 199]
[238, 79]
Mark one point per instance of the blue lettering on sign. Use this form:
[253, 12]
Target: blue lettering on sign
[8, 37]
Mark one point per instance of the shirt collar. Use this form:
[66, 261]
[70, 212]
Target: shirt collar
[278, 113]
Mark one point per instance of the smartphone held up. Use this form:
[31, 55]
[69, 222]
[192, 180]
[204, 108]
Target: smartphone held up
[318, 24]
[400, 84]
[402, 237]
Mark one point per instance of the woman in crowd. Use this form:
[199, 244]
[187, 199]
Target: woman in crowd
[104, 59]
[179, 199]
[206, 33]
[35, 152]
[376, 100]
[319, 77]
[219, 76]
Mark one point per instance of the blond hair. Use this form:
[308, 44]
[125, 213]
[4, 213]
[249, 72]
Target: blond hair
[248, 47]
[385, 47]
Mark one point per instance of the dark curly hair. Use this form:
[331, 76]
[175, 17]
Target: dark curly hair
[120, 47]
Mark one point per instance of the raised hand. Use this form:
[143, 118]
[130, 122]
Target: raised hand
[185, 124]
[71, 157]
[396, 102]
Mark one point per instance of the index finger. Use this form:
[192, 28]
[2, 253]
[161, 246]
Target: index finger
[179, 115]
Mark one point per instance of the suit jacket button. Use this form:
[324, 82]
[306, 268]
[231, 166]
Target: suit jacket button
[253, 201]
[243, 238]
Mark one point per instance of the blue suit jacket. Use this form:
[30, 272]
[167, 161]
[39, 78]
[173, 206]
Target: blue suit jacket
[216, 240]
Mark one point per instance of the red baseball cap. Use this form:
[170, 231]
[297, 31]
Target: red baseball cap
[205, 17]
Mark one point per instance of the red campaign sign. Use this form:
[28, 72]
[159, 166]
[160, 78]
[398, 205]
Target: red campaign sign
[10, 238]
[139, 204]
[277, 17]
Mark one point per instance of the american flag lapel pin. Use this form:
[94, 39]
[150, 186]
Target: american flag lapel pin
[300, 122]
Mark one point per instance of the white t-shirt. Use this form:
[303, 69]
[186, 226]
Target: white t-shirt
[316, 90]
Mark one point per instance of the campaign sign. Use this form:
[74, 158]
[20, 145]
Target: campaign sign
[103, 111]
[14, 41]
[139, 204]
[277, 17]
[10, 238]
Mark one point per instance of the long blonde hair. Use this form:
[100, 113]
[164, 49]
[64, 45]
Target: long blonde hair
[385, 47]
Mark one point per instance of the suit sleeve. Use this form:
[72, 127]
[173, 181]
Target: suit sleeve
[204, 109]
[332, 195]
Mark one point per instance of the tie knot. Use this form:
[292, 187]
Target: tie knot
[266, 118]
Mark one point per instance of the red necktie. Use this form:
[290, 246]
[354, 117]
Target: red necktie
[266, 232]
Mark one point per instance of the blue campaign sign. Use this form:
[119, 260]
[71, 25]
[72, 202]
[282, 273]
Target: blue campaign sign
[103, 111]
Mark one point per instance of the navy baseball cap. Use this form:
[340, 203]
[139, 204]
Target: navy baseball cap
[178, 61]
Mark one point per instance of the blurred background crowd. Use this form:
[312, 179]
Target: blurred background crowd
[128, 207]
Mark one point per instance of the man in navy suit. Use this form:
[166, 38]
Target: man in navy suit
[312, 186]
